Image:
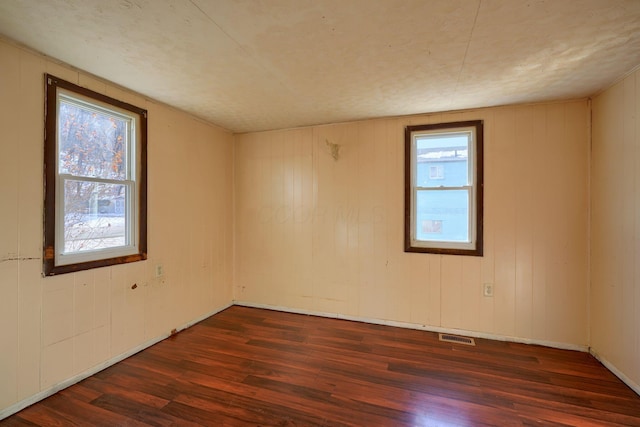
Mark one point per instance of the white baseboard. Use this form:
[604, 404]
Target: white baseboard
[407, 325]
[615, 371]
[17, 407]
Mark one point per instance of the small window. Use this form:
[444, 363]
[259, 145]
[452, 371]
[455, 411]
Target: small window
[436, 172]
[432, 226]
[443, 212]
[95, 179]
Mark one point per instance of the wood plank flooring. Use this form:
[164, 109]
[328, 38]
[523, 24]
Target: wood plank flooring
[252, 367]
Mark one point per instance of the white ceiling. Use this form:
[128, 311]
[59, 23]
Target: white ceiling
[251, 65]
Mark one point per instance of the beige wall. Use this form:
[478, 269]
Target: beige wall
[314, 234]
[55, 328]
[615, 245]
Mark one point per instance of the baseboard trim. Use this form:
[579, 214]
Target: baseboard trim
[408, 325]
[615, 371]
[17, 407]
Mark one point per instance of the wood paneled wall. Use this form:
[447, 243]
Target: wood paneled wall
[55, 328]
[323, 235]
[615, 244]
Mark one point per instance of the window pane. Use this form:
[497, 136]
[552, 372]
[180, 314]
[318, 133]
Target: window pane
[442, 215]
[91, 143]
[94, 216]
[442, 160]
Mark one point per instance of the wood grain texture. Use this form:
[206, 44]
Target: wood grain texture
[253, 367]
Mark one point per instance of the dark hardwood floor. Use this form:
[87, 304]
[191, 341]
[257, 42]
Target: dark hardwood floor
[252, 367]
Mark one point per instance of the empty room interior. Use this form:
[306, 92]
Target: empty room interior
[287, 184]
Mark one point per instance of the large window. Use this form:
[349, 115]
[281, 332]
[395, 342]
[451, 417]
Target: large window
[95, 179]
[443, 188]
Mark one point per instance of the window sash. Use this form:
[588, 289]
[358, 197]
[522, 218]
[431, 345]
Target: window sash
[468, 243]
[64, 256]
[132, 135]
[130, 246]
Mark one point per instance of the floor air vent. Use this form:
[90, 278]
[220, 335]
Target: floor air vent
[457, 339]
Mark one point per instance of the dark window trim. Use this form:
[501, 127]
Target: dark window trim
[479, 187]
[52, 83]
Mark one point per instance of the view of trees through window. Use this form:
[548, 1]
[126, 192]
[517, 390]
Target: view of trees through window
[93, 169]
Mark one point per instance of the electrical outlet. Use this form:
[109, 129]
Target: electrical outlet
[487, 290]
[159, 270]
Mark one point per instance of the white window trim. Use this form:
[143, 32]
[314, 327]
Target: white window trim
[131, 182]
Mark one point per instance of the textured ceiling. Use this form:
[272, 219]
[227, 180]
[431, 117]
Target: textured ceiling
[250, 65]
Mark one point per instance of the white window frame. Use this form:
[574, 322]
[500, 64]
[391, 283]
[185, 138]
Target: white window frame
[473, 188]
[57, 259]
